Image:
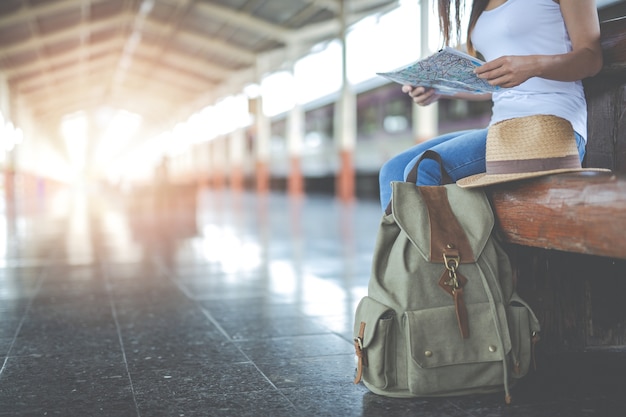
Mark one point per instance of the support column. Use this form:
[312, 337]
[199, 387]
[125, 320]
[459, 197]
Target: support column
[262, 148]
[236, 143]
[9, 156]
[206, 164]
[345, 126]
[217, 162]
[295, 134]
[425, 122]
[9, 180]
[262, 132]
[425, 118]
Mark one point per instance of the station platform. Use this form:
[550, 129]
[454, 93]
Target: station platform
[219, 304]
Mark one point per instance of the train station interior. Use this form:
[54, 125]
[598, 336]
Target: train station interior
[187, 220]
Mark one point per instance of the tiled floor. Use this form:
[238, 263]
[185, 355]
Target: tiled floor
[232, 305]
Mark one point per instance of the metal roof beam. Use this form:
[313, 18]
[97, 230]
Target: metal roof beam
[244, 20]
[204, 43]
[331, 28]
[70, 33]
[113, 45]
[28, 12]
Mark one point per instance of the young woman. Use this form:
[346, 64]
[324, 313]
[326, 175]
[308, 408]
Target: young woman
[537, 51]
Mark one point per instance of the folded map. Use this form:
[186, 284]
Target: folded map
[448, 71]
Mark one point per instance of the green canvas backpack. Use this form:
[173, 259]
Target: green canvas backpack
[441, 316]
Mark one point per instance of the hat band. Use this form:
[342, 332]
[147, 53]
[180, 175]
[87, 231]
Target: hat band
[518, 166]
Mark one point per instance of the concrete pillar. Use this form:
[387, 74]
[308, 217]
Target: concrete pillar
[425, 118]
[345, 123]
[261, 132]
[204, 170]
[425, 122]
[262, 147]
[218, 158]
[9, 156]
[295, 137]
[236, 155]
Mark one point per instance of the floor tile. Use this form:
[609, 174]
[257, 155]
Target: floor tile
[240, 306]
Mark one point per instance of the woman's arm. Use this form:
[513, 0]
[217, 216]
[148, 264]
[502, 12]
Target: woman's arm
[585, 59]
[424, 96]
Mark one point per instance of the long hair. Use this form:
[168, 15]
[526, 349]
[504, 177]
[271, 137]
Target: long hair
[448, 22]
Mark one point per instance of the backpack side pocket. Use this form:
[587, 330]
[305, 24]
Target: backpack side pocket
[524, 329]
[373, 343]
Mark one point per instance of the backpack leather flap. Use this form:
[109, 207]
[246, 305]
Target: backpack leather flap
[434, 338]
[470, 208]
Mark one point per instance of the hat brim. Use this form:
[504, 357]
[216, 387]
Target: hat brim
[484, 179]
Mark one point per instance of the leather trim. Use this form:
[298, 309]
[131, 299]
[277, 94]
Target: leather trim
[445, 230]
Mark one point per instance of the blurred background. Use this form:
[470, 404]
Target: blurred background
[188, 210]
[137, 96]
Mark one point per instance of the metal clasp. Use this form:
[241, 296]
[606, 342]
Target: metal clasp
[359, 342]
[452, 263]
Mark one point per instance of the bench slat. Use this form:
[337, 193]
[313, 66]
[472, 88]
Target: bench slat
[614, 44]
[578, 212]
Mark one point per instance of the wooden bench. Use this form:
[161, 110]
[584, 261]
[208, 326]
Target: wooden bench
[567, 233]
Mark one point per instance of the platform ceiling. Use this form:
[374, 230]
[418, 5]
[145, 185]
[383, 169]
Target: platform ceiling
[162, 59]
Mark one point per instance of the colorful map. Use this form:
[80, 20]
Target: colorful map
[448, 71]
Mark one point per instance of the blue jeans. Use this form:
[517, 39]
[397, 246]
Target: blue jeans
[462, 153]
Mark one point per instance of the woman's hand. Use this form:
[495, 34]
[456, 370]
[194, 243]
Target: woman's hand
[421, 96]
[508, 71]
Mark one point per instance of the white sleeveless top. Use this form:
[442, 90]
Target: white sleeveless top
[530, 27]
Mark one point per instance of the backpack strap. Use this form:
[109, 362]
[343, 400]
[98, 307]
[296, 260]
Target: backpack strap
[412, 175]
[429, 154]
[360, 353]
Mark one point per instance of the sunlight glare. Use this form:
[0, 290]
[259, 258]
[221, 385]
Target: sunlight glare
[277, 90]
[225, 246]
[377, 43]
[11, 135]
[74, 131]
[283, 279]
[78, 243]
[120, 129]
[318, 74]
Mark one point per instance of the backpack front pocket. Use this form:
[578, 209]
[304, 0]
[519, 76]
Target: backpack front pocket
[441, 361]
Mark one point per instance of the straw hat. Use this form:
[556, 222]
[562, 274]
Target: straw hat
[528, 147]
